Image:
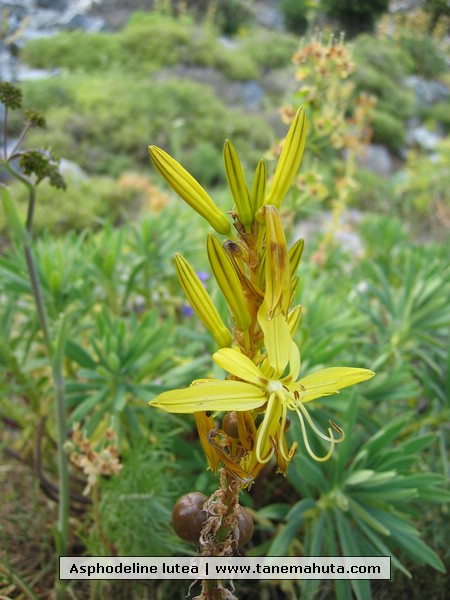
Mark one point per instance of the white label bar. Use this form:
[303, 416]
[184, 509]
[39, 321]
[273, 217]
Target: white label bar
[271, 567]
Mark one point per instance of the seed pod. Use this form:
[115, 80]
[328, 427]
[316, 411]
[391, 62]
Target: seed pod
[245, 527]
[188, 516]
[230, 424]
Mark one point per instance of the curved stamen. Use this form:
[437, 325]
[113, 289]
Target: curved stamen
[265, 430]
[282, 446]
[331, 438]
[308, 447]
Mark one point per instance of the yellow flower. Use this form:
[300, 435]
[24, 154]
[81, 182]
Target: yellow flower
[254, 388]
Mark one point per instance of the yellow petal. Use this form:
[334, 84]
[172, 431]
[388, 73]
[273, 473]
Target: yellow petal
[289, 160]
[246, 429]
[267, 430]
[294, 364]
[259, 186]
[239, 365]
[189, 189]
[278, 286]
[228, 281]
[237, 184]
[201, 302]
[329, 381]
[277, 339]
[204, 425]
[212, 395]
[295, 255]
[294, 318]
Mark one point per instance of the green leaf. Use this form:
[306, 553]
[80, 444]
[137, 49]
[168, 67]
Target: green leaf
[360, 476]
[285, 535]
[86, 406]
[79, 355]
[383, 437]
[382, 548]
[419, 551]
[350, 547]
[435, 495]
[274, 511]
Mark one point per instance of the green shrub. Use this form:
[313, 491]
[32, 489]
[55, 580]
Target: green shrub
[388, 130]
[295, 13]
[83, 205]
[205, 163]
[355, 15]
[153, 44]
[269, 49]
[440, 113]
[107, 123]
[74, 50]
[385, 56]
[231, 16]
[236, 65]
[429, 60]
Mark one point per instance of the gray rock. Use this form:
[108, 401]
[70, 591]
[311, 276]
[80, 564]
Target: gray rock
[247, 93]
[427, 92]
[56, 5]
[71, 170]
[83, 22]
[423, 137]
[377, 159]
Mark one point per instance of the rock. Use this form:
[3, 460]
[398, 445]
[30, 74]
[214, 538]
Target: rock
[82, 22]
[71, 170]
[249, 94]
[427, 92]
[377, 159]
[268, 15]
[419, 135]
[56, 5]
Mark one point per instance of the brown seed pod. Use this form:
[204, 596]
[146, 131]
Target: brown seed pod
[229, 424]
[245, 526]
[188, 517]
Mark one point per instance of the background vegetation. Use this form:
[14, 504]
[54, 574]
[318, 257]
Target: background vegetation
[375, 285]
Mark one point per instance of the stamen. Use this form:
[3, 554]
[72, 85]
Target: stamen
[264, 432]
[308, 447]
[329, 438]
[281, 440]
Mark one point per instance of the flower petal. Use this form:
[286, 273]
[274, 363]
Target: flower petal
[189, 189]
[201, 302]
[277, 338]
[204, 425]
[289, 160]
[239, 365]
[211, 395]
[267, 430]
[329, 381]
[294, 364]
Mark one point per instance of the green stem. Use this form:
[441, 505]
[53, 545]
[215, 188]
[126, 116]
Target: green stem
[5, 133]
[55, 359]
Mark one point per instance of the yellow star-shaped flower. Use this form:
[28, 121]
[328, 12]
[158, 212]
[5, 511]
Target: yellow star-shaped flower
[252, 388]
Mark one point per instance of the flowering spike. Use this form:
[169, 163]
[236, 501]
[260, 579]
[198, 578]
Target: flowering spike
[237, 184]
[289, 160]
[201, 302]
[189, 189]
[228, 281]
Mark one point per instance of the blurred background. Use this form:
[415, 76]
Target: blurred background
[371, 200]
